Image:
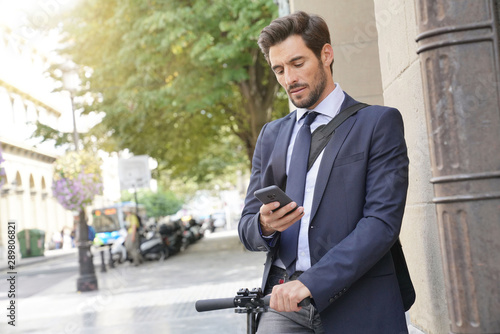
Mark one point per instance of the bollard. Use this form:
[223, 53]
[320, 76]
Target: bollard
[111, 262]
[103, 265]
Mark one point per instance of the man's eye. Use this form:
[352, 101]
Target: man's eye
[299, 65]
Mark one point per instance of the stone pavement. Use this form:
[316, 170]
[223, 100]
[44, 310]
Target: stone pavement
[47, 255]
[156, 297]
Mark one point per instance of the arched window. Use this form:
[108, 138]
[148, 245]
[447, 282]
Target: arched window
[6, 186]
[44, 188]
[18, 183]
[32, 185]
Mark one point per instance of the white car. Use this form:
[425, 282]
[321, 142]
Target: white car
[219, 219]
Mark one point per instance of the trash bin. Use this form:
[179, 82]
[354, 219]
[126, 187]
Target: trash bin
[31, 242]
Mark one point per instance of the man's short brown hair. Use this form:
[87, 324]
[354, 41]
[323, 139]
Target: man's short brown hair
[312, 28]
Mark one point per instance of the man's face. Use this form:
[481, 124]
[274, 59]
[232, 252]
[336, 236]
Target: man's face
[300, 72]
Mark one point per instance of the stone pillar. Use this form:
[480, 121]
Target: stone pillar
[353, 31]
[459, 52]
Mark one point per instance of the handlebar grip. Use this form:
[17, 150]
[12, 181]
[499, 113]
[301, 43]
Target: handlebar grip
[266, 300]
[304, 302]
[214, 304]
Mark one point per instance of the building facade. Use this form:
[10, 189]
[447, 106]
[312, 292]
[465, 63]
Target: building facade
[26, 97]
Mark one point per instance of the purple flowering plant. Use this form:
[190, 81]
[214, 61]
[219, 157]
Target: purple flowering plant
[77, 179]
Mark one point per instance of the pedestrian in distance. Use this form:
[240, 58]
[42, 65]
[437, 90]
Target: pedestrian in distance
[57, 239]
[333, 243]
[132, 241]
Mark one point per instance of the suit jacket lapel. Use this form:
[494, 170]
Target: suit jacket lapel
[330, 154]
[281, 148]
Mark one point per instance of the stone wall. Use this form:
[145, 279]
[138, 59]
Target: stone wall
[402, 85]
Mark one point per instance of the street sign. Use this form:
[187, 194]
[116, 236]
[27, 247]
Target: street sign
[134, 172]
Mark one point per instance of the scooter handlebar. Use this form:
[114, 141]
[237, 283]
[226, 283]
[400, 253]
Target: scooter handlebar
[214, 304]
[223, 303]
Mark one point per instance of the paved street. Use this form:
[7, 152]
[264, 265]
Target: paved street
[156, 297]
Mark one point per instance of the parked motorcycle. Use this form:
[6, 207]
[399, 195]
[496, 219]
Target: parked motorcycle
[154, 246]
[191, 231]
[172, 232]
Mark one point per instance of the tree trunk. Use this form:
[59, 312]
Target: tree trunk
[258, 93]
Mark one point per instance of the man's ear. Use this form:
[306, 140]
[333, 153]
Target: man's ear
[327, 54]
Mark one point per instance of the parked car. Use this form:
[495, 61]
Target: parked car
[219, 219]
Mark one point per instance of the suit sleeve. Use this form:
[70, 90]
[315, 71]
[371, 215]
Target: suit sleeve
[386, 186]
[249, 225]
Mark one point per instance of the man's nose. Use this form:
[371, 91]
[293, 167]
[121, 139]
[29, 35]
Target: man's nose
[290, 77]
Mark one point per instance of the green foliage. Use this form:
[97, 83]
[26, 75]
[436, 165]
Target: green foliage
[158, 204]
[182, 81]
[46, 132]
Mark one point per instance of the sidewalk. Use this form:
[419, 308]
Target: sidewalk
[47, 255]
[156, 297]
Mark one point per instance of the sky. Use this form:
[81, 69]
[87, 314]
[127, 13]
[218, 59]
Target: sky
[22, 16]
[11, 11]
[37, 12]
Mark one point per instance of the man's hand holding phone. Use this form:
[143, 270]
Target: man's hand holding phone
[278, 211]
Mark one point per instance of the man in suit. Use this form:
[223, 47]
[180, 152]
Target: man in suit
[335, 246]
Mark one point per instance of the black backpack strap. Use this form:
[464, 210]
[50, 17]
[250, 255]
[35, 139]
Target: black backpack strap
[322, 135]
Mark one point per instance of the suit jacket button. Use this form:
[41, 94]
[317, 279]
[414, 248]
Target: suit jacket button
[331, 300]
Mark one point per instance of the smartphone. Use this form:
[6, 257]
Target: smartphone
[273, 194]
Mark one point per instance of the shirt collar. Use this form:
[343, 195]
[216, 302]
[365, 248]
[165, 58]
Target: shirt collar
[330, 106]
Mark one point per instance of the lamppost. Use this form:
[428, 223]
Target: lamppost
[87, 281]
[70, 84]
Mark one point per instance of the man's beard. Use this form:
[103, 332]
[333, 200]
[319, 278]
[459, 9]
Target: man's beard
[313, 98]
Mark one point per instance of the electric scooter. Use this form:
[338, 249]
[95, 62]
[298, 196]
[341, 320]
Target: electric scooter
[251, 302]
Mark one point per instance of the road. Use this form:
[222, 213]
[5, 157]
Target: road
[156, 297]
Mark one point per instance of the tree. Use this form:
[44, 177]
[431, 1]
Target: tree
[182, 81]
[158, 204]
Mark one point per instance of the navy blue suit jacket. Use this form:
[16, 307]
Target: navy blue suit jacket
[356, 217]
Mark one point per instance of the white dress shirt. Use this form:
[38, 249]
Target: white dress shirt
[327, 109]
